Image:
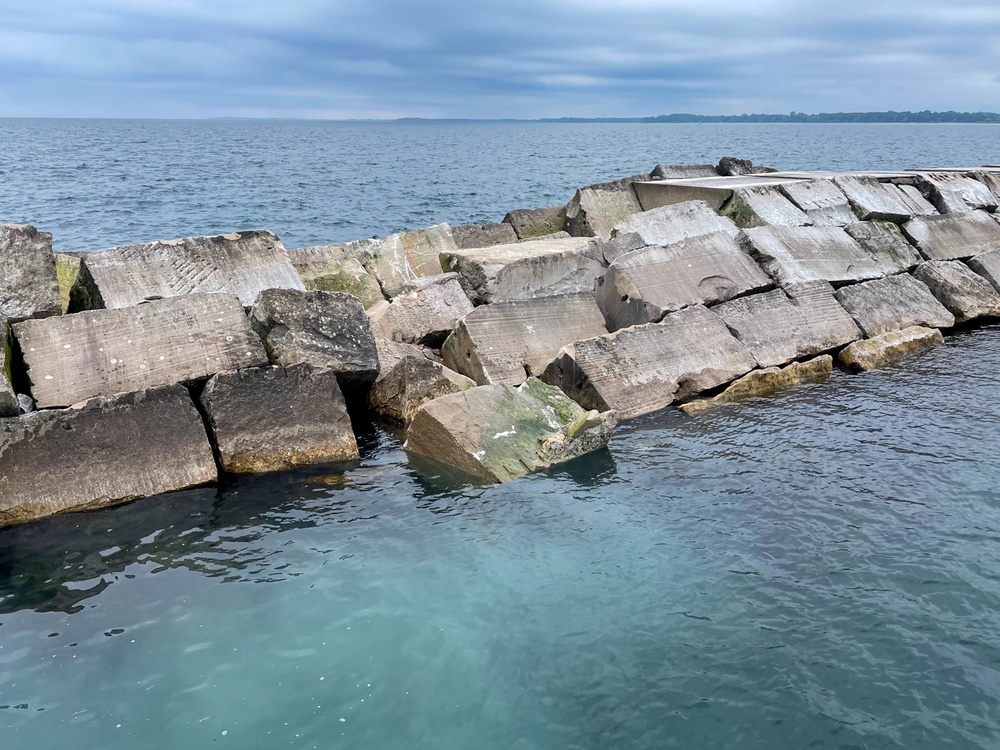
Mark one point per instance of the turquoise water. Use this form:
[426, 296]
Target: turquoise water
[821, 569]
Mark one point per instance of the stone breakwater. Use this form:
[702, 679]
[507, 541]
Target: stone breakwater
[501, 349]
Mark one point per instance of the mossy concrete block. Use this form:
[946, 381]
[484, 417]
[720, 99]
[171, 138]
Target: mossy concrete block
[330, 268]
[822, 201]
[890, 347]
[531, 223]
[407, 383]
[966, 294]
[596, 209]
[766, 382]
[106, 451]
[886, 245]
[893, 303]
[28, 284]
[426, 314]
[792, 255]
[875, 200]
[9, 405]
[67, 271]
[763, 205]
[275, 418]
[495, 433]
[954, 236]
[484, 235]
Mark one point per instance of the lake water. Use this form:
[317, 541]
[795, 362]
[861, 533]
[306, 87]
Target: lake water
[820, 569]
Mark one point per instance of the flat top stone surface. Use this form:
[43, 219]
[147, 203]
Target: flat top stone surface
[668, 224]
[797, 254]
[954, 236]
[893, 303]
[100, 352]
[822, 201]
[499, 255]
[28, 284]
[724, 183]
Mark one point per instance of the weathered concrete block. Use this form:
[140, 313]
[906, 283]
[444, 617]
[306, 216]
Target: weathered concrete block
[500, 432]
[525, 270]
[424, 315]
[330, 268]
[241, 263]
[730, 166]
[530, 223]
[328, 330]
[682, 171]
[71, 358]
[822, 201]
[890, 347]
[951, 192]
[106, 451]
[28, 285]
[987, 265]
[793, 255]
[408, 382]
[886, 245]
[715, 191]
[966, 294]
[872, 199]
[506, 342]
[644, 285]
[640, 370]
[403, 257]
[893, 303]
[484, 235]
[669, 224]
[763, 205]
[9, 405]
[67, 271]
[275, 418]
[595, 209]
[766, 382]
[777, 327]
[990, 178]
[619, 245]
[954, 236]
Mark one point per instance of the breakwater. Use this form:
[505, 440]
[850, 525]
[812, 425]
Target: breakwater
[179, 359]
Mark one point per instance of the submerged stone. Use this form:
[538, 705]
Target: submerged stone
[966, 294]
[28, 284]
[766, 382]
[67, 271]
[889, 347]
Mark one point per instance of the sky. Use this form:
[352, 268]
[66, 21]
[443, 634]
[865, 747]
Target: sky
[519, 59]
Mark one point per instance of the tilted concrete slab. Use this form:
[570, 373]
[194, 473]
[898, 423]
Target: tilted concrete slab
[763, 205]
[669, 224]
[408, 378]
[822, 201]
[644, 285]
[966, 294]
[595, 209]
[715, 191]
[426, 314]
[872, 199]
[530, 223]
[643, 369]
[28, 284]
[893, 303]
[951, 192]
[71, 358]
[242, 264]
[798, 254]
[507, 342]
[987, 265]
[886, 245]
[954, 236]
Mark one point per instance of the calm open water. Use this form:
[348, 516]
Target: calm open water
[820, 569]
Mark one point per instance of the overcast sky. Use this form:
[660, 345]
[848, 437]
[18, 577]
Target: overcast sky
[521, 58]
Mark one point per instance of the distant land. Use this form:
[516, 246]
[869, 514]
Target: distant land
[849, 117]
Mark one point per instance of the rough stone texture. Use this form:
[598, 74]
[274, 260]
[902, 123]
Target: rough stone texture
[987, 265]
[530, 223]
[766, 382]
[763, 205]
[506, 342]
[682, 171]
[424, 315]
[499, 432]
[872, 199]
[800, 254]
[893, 303]
[330, 268]
[525, 270]
[275, 418]
[241, 263]
[954, 236]
[644, 285]
[822, 201]
[890, 347]
[990, 178]
[9, 404]
[966, 294]
[67, 271]
[778, 327]
[28, 285]
[483, 235]
[595, 209]
[407, 383]
[715, 191]
[669, 224]
[619, 245]
[646, 368]
[104, 452]
[885, 243]
[951, 192]
[101, 352]
[328, 330]
[730, 166]
[403, 257]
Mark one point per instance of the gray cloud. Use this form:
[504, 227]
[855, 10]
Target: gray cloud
[445, 58]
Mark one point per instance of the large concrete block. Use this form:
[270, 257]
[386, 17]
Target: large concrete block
[408, 381]
[328, 330]
[952, 192]
[106, 451]
[872, 199]
[530, 223]
[763, 205]
[484, 235]
[28, 285]
[498, 432]
[715, 191]
[595, 209]
[822, 201]
[954, 236]
[275, 418]
[640, 370]
[966, 294]
[669, 224]
[330, 268]
[793, 255]
[241, 263]
[886, 245]
[777, 327]
[682, 171]
[401, 258]
[644, 285]
[424, 315]
[9, 406]
[525, 270]
[507, 342]
[893, 303]
[889, 347]
[987, 265]
[101, 352]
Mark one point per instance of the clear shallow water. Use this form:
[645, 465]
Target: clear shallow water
[816, 570]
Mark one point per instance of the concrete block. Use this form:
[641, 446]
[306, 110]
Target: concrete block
[595, 209]
[71, 358]
[715, 191]
[669, 224]
[28, 285]
[966, 294]
[330, 268]
[822, 201]
[531, 223]
[889, 347]
[730, 166]
[793, 255]
[763, 205]
[408, 382]
[872, 199]
[424, 315]
[483, 235]
[893, 303]
[987, 265]
[951, 192]
[886, 245]
[403, 257]
[682, 171]
[954, 236]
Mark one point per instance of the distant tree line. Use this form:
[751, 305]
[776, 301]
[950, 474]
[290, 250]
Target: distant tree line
[889, 116]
